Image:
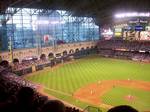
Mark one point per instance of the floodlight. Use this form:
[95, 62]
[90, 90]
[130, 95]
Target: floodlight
[132, 14]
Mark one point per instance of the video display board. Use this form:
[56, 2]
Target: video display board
[139, 28]
[118, 32]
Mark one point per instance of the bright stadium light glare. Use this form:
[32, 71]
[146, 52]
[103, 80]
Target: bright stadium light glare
[46, 22]
[132, 14]
[57, 22]
[62, 22]
[42, 22]
[54, 22]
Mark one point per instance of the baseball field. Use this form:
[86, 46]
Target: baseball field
[97, 81]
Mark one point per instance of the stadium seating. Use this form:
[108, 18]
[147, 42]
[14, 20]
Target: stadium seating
[11, 84]
[134, 50]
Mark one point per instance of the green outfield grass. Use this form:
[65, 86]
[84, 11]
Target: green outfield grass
[63, 81]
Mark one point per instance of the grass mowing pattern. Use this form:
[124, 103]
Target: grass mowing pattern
[70, 77]
[117, 96]
[67, 98]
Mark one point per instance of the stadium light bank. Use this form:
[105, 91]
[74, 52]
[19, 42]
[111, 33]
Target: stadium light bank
[132, 14]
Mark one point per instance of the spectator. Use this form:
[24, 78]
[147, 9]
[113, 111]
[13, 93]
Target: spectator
[25, 100]
[4, 63]
[53, 106]
[15, 61]
[122, 108]
[0, 58]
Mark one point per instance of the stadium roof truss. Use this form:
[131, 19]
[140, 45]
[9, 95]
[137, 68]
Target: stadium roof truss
[102, 11]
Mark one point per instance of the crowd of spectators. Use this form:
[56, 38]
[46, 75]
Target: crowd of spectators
[124, 44]
[135, 50]
[28, 63]
[19, 95]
